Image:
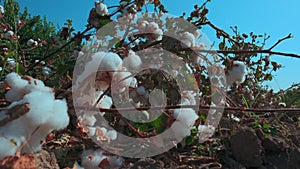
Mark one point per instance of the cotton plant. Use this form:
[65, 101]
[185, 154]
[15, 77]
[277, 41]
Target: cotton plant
[33, 113]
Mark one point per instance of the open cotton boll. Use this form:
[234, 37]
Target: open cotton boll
[8, 146]
[112, 134]
[132, 62]
[121, 80]
[15, 81]
[105, 103]
[103, 64]
[186, 116]
[111, 62]
[35, 142]
[157, 34]
[101, 8]
[142, 26]
[205, 132]
[115, 161]
[87, 119]
[188, 39]
[41, 107]
[237, 73]
[188, 98]
[59, 117]
[180, 130]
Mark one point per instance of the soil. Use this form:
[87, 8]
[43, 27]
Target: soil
[269, 141]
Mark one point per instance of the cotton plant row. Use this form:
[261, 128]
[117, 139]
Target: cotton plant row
[33, 113]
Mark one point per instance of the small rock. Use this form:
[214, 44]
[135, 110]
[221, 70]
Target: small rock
[274, 144]
[246, 147]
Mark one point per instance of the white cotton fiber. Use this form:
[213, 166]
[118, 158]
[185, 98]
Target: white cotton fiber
[8, 146]
[41, 106]
[180, 130]
[59, 118]
[120, 81]
[112, 134]
[15, 81]
[111, 62]
[132, 62]
[87, 119]
[186, 116]
[188, 39]
[237, 73]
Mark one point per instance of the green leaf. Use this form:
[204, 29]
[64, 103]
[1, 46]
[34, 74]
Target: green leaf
[221, 45]
[189, 140]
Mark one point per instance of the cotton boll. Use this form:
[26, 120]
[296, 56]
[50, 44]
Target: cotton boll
[188, 98]
[1, 9]
[205, 132]
[87, 119]
[102, 63]
[39, 110]
[46, 71]
[157, 34]
[112, 134]
[59, 118]
[121, 80]
[91, 131]
[105, 103]
[188, 39]
[101, 8]
[32, 43]
[8, 147]
[115, 161]
[132, 62]
[186, 116]
[11, 63]
[110, 62]
[36, 140]
[237, 73]
[180, 130]
[143, 26]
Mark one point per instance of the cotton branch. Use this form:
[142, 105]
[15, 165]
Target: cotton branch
[280, 40]
[56, 51]
[201, 107]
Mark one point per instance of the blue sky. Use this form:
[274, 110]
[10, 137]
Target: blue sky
[275, 17]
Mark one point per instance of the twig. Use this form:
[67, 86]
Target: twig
[245, 52]
[201, 107]
[280, 40]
